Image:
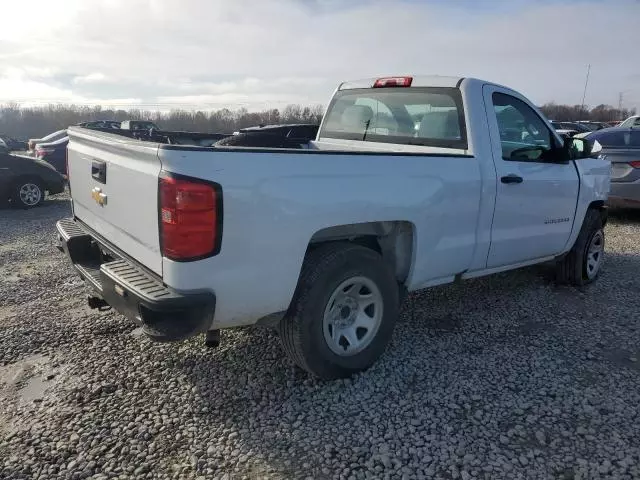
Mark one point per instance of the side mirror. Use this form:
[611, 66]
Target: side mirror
[576, 148]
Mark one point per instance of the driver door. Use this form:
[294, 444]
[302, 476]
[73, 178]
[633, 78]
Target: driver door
[536, 197]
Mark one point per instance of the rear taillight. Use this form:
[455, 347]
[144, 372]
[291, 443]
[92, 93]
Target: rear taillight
[190, 212]
[635, 164]
[393, 82]
[43, 152]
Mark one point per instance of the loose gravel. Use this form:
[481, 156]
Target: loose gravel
[503, 377]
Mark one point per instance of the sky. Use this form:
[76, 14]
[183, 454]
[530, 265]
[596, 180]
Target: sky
[257, 54]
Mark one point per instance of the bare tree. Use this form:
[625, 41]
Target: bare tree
[33, 122]
[601, 113]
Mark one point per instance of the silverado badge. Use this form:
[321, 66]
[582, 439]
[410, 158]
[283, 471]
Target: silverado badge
[98, 196]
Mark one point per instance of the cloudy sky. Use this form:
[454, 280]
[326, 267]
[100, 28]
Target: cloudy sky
[260, 53]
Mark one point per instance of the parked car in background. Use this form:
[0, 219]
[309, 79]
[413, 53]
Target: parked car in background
[272, 136]
[10, 144]
[54, 153]
[593, 126]
[567, 133]
[621, 145]
[324, 242]
[199, 139]
[52, 137]
[100, 124]
[633, 121]
[24, 180]
[560, 130]
[138, 125]
[570, 126]
[297, 132]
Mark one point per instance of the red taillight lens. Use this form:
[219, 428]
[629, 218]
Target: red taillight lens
[189, 218]
[635, 164]
[393, 82]
[43, 152]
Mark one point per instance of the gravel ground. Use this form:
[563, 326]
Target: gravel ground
[504, 377]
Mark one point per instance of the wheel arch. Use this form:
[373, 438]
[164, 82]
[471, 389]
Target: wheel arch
[33, 176]
[601, 207]
[394, 240]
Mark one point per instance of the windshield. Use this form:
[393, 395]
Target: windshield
[630, 122]
[408, 116]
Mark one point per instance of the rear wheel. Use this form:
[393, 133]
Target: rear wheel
[27, 193]
[343, 312]
[583, 262]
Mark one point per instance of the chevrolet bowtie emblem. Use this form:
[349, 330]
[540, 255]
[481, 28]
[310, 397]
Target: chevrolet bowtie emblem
[98, 196]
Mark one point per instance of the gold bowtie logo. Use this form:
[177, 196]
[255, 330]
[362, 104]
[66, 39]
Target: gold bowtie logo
[98, 196]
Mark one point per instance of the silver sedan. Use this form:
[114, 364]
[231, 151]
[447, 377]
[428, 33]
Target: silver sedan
[622, 147]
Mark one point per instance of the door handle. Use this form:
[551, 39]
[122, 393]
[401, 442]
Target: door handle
[99, 171]
[511, 178]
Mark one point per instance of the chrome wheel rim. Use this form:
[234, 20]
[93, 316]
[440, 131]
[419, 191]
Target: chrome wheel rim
[30, 194]
[595, 254]
[352, 316]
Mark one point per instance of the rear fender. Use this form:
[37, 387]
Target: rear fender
[392, 239]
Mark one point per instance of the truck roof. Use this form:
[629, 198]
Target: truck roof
[419, 81]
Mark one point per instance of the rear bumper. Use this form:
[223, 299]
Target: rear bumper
[625, 194]
[164, 314]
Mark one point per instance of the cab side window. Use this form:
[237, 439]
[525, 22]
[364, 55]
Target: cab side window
[524, 136]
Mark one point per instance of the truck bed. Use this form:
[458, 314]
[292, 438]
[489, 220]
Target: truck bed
[170, 137]
[271, 194]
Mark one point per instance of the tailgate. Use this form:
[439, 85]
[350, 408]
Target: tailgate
[114, 187]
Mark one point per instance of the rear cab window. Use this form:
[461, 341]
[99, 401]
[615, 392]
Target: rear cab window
[429, 116]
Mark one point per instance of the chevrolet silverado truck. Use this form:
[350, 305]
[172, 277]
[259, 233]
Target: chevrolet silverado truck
[411, 182]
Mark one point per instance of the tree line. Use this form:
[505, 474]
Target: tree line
[35, 122]
[600, 113]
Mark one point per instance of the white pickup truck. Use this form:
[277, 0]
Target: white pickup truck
[411, 182]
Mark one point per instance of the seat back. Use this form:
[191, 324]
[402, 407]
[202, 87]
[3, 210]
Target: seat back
[442, 125]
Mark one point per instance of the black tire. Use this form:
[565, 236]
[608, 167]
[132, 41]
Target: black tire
[573, 269]
[18, 200]
[323, 271]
